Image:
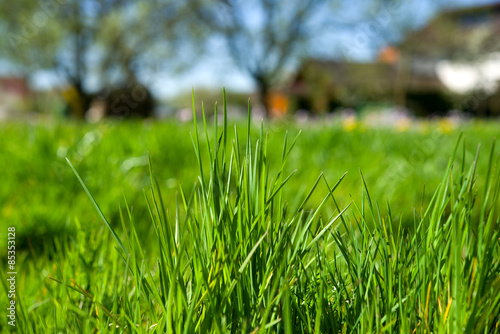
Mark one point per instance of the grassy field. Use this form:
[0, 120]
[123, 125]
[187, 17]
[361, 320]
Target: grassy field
[225, 242]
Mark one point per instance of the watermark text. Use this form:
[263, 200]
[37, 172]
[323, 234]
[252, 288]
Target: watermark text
[11, 275]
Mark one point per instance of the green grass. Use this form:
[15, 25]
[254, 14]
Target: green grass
[42, 198]
[248, 236]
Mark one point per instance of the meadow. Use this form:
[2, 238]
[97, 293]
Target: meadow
[245, 226]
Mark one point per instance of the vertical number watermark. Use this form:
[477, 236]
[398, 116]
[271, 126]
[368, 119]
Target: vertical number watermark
[11, 275]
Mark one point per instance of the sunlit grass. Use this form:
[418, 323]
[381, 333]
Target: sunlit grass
[242, 250]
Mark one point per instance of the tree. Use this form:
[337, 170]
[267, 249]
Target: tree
[92, 44]
[264, 37]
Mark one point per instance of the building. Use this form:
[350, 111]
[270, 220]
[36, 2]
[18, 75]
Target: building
[322, 86]
[14, 96]
[424, 73]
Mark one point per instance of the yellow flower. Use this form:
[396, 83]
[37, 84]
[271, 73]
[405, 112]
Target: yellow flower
[350, 123]
[403, 124]
[445, 125]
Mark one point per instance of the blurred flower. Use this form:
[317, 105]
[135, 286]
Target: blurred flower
[445, 125]
[403, 124]
[350, 123]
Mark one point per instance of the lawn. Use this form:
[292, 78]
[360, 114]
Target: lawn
[225, 241]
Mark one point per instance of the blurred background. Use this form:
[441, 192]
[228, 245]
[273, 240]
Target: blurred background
[386, 60]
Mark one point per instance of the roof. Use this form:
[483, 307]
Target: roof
[373, 78]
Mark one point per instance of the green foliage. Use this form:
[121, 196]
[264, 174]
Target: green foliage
[242, 250]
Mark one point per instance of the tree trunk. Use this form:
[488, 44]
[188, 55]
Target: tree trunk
[264, 96]
[77, 101]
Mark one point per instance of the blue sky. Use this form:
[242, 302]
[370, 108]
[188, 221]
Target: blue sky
[358, 42]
